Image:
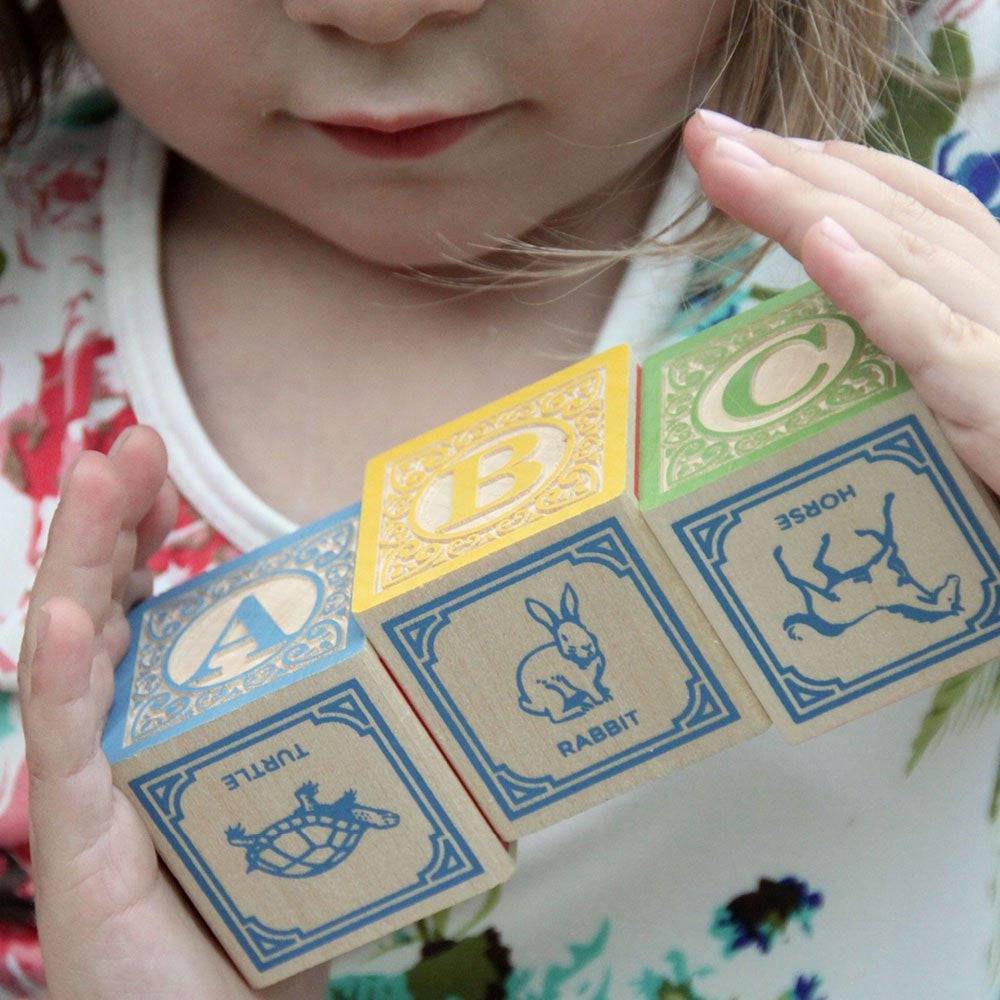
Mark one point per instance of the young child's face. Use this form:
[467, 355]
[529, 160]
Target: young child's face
[579, 91]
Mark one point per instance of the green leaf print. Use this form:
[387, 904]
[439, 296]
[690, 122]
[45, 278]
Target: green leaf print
[10, 724]
[574, 979]
[959, 701]
[761, 293]
[90, 108]
[677, 983]
[369, 988]
[995, 797]
[935, 722]
[676, 991]
[963, 699]
[913, 117]
[474, 969]
[489, 903]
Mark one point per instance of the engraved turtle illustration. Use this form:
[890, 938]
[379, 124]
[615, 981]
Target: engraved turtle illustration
[313, 838]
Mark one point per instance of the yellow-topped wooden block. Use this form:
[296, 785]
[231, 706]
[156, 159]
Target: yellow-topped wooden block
[477, 485]
[505, 576]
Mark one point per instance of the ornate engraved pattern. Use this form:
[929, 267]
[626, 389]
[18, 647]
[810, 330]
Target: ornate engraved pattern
[155, 704]
[691, 454]
[577, 406]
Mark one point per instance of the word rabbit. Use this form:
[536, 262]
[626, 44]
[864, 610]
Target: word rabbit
[881, 583]
[562, 679]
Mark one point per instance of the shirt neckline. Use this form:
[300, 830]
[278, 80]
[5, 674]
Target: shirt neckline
[647, 297]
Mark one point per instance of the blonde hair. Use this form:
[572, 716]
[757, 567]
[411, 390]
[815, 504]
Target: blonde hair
[811, 68]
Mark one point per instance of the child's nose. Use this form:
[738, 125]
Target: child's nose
[378, 22]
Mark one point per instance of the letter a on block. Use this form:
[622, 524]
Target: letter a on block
[250, 624]
[816, 511]
[285, 781]
[507, 579]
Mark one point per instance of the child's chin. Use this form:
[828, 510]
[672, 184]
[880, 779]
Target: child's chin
[393, 246]
[396, 230]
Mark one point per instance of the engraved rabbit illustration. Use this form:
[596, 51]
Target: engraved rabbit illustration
[562, 679]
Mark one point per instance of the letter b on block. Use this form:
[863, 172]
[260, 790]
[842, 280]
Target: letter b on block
[508, 582]
[482, 484]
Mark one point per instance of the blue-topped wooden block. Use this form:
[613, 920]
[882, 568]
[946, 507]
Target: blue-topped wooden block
[287, 783]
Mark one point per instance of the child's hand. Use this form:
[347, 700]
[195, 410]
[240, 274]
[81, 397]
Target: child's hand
[112, 924]
[912, 256]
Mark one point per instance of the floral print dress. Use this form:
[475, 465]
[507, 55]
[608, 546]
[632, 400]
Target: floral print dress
[860, 866]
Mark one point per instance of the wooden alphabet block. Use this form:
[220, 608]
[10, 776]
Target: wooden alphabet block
[812, 504]
[287, 784]
[507, 579]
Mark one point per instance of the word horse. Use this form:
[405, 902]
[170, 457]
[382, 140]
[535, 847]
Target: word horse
[881, 583]
[562, 679]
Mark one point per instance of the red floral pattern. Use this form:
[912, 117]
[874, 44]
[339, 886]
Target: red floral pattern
[50, 210]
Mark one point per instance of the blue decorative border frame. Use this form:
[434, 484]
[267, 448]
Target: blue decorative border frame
[161, 793]
[703, 535]
[708, 707]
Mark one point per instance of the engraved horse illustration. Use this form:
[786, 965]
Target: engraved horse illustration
[849, 596]
[562, 679]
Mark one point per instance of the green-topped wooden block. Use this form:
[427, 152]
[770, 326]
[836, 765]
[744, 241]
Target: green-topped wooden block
[811, 502]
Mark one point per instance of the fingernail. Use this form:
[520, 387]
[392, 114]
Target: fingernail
[836, 233]
[721, 123]
[120, 441]
[740, 153]
[813, 145]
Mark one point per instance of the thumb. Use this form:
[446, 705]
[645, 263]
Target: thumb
[70, 794]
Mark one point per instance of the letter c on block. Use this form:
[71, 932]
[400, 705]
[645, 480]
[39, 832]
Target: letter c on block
[777, 376]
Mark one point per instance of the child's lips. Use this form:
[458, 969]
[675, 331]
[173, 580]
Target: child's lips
[411, 137]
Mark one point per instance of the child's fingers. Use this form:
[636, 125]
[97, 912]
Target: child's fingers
[889, 199]
[944, 197]
[140, 459]
[122, 562]
[110, 647]
[84, 530]
[91, 857]
[867, 172]
[782, 205]
[83, 537]
[111, 505]
[113, 641]
[160, 519]
[953, 361]
[70, 787]
[140, 588]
